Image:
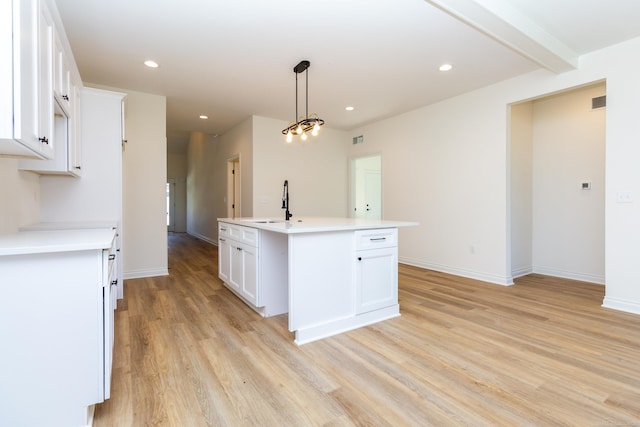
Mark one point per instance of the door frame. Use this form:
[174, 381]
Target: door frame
[234, 187]
[354, 182]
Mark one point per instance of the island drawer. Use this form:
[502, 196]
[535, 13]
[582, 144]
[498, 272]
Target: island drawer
[239, 233]
[379, 238]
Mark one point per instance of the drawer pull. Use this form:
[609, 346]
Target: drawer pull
[222, 240]
[359, 258]
[114, 282]
[239, 249]
[112, 257]
[223, 229]
[378, 239]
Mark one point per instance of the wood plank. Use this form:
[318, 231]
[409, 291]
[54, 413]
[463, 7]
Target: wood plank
[463, 352]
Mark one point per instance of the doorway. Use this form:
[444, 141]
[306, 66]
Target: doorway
[234, 208]
[557, 185]
[171, 204]
[366, 186]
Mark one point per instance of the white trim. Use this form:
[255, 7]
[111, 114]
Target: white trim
[138, 274]
[591, 278]
[201, 237]
[476, 275]
[519, 272]
[621, 305]
[324, 330]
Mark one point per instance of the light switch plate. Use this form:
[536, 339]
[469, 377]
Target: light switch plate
[624, 197]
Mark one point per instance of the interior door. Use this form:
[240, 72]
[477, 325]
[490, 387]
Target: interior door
[234, 207]
[366, 187]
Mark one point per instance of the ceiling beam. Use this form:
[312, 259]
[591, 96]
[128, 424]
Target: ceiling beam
[500, 21]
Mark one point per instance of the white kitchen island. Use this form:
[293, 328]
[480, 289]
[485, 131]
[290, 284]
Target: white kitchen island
[330, 275]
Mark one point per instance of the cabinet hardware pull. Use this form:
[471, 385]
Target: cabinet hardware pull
[65, 97]
[359, 258]
[377, 239]
[78, 167]
[239, 249]
[114, 282]
[223, 229]
[112, 257]
[44, 139]
[222, 240]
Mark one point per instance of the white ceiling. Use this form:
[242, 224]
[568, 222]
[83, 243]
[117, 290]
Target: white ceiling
[232, 59]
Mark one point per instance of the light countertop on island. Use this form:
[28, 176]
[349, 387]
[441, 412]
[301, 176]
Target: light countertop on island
[315, 224]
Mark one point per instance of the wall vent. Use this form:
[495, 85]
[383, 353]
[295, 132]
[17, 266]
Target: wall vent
[599, 102]
[358, 139]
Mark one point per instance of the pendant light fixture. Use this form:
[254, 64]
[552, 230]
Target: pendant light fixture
[302, 125]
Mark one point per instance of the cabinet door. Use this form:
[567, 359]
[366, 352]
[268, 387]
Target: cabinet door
[19, 80]
[45, 81]
[224, 259]
[250, 275]
[376, 279]
[236, 268]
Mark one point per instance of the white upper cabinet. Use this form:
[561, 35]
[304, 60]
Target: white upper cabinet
[21, 24]
[58, 100]
[39, 88]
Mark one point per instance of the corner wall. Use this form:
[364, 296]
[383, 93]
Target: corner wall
[207, 159]
[144, 178]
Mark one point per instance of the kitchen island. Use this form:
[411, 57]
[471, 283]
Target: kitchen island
[330, 275]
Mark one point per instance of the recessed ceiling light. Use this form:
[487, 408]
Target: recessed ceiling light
[203, 117]
[151, 64]
[349, 108]
[445, 67]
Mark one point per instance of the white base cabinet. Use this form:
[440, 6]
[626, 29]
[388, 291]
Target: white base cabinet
[330, 275]
[56, 325]
[252, 265]
[376, 269]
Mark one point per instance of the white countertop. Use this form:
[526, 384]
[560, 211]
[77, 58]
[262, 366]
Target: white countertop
[68, 225]
[32, 242]
[315, 224]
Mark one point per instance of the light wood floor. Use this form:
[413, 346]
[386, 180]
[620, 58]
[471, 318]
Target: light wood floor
[540, 353]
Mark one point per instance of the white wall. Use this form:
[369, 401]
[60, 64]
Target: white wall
[316, 170]
[20, 195]
[446, 165]
[144, 186]
[521, 188]
[207, 159]
[568, 149]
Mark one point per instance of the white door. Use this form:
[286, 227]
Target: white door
[366, 187]
[372, 185]
[233, 188]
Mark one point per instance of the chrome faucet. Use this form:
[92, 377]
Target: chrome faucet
[285, 201]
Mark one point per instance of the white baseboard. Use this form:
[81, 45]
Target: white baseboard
[477, 275]
[202, 237]
[569, 275]
[621, 305]
[519, 272]
[138, 274]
